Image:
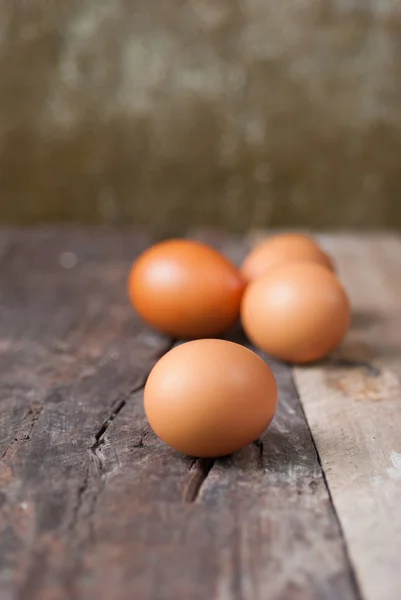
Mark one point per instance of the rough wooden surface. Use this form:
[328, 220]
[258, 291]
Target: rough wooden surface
[353, 408]
[241, 113]
[93, 505]
[72, 352]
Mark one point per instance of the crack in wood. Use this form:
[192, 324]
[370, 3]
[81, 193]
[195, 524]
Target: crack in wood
[108, 421]
[80, 497]
[34, 412]
[259, 444]
[118, 406]
[92, 509]
[97, 456]
[143, 437]
[115, 410]
[29, 421]
[197, 475]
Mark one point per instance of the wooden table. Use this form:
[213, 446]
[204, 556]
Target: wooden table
[94, 506]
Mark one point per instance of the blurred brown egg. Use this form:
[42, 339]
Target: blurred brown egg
[298, 312]
[279, 249]
[186, 289]
[210, 397]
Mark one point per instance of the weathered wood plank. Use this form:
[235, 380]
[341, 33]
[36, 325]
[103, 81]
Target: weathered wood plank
[290, 545]
[353, 408]
[71, 353]
[254, 526]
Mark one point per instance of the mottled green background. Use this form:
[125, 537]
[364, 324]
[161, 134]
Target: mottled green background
[173, 113]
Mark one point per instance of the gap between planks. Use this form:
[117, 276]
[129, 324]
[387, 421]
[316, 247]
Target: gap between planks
[353, 575]
[352, 406]
[198, 472]
[355, 415]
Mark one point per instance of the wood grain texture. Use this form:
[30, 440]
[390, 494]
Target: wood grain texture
[71, 351]
[288, 545]
[353, 406]
[94, 506]
[254, 526]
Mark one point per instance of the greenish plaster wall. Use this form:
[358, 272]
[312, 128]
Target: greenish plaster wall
[167, 114]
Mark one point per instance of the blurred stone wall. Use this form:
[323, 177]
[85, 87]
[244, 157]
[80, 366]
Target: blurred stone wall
[171, 113]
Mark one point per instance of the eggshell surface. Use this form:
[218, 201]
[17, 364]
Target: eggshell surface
[280, 249]
[186, 289]
[298, 312]
[210, 397]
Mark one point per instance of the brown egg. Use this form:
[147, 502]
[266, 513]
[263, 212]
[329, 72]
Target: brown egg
[279, 249]
[186, 289]
[298, 312]
[210, 397]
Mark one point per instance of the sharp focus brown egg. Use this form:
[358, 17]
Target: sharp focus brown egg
[298, 312]
[186, 289]
[210, 397]
[279, 249]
